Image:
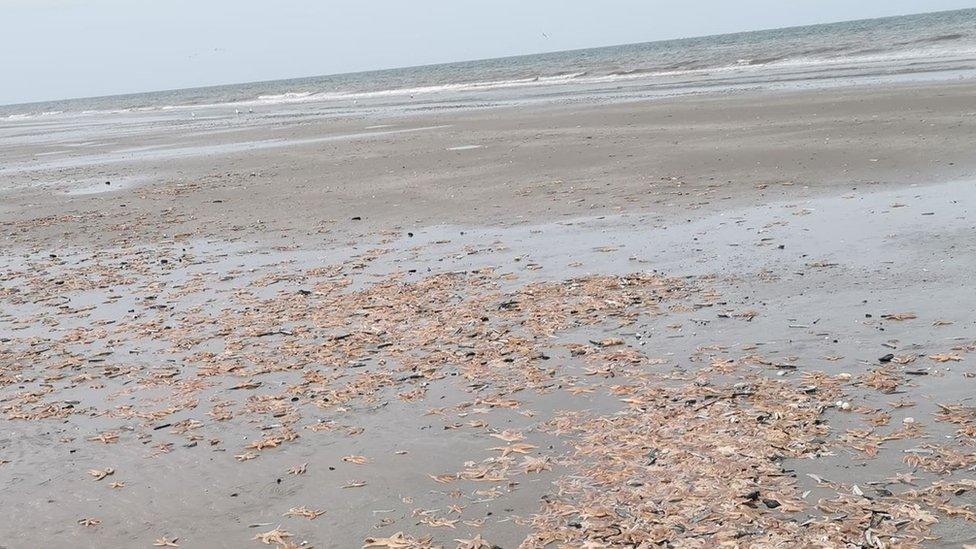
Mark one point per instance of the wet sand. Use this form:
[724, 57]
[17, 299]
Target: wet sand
[664, 321]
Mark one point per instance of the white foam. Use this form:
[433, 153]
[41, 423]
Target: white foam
[284, 96]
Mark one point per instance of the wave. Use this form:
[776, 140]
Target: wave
[873, 56]
[421, 90]
[31, 115]
[761, 61]
[284, 96]
[933, 39]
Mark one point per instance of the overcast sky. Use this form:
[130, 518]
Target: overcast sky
[53, 49]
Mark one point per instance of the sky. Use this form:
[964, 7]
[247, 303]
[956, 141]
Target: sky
[56, 49]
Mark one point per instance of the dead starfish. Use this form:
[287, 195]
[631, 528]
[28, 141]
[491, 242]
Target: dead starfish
[277, 536]
[99, 474]
[474, 543]
[106, 438]
[304, 512]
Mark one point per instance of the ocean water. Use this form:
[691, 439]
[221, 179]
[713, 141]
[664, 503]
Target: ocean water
[926, 46]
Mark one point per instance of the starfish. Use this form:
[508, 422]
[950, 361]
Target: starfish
[474, 543]
[99, 474]
[277, 536]
[904, 478]
[518, 448]
[440, 523]
[396, 541]
[304, 512]
[107, 438]
[508, 436]
[535, 465]
[270, 442]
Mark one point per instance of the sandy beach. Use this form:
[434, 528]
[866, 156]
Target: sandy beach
[739, 318]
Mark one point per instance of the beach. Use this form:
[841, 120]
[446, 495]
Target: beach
[740, 317]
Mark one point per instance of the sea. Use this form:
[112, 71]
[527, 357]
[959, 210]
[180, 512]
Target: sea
[915, 47]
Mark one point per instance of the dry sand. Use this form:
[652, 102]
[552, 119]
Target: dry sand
[655, 322]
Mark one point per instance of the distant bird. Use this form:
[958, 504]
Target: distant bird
[545, 35]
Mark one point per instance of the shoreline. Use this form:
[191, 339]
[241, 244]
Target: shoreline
[549, 163]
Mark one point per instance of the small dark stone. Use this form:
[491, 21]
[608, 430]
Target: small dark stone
[887, 358]
[357, 218]
[771, 503]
